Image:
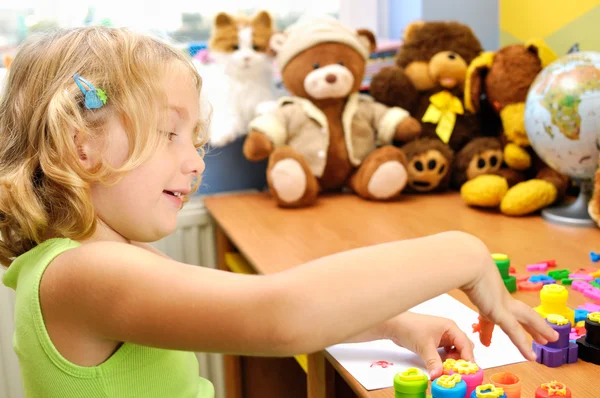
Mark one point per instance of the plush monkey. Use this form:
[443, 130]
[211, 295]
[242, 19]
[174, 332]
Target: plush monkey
[428, 80]
[505, 77]
[327, 135]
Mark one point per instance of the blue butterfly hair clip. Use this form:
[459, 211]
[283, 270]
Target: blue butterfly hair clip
[94, 97]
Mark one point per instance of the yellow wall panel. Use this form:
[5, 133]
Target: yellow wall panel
[560, 23]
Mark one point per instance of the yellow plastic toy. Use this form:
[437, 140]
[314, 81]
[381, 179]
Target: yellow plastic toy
[448, 381]
[488, 391]
[554, 301]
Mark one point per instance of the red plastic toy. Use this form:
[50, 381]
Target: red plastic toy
[530, 286]
[485, 329]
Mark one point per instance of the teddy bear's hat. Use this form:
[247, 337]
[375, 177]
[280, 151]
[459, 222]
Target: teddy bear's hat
[310, 31]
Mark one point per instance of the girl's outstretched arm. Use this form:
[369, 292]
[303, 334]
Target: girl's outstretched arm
[121, 292]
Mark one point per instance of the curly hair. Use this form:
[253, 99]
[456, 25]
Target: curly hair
[44, 187]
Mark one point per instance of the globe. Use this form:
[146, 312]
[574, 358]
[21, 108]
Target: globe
[562, 121]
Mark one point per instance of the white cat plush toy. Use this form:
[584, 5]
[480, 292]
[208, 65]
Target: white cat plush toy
[239, 81]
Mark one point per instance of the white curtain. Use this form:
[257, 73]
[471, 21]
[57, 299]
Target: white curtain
[10, 378]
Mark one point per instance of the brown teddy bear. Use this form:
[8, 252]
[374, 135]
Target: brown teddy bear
[328, 135]
[428, 80]
[526, 185]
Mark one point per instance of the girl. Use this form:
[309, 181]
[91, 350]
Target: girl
[100, 131]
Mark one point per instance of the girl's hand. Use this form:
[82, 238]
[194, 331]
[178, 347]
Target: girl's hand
[496, 304]
[424, 334]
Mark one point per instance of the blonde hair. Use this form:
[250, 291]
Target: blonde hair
[44, 188]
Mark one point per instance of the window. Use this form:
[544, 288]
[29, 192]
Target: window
[184, 21]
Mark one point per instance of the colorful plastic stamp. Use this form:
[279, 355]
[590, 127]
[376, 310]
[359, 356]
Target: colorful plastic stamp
[449, 386]
[585, 277]
[544, 279]
[520, 277]
[488, 391]
[503, 263]
[581, 286]
[593, 293]
[559, 274]
[541, 266]
[594, 256]
[591, 307]
[509, 382]
[581, 315]
[561, 351]
[485, 329]
[530, 286]
[589, 345]
[536, 267]
[554, 301]
[412, 383]
[470, 373]
[554, 389]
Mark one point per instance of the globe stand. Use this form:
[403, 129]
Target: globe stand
[576, 213]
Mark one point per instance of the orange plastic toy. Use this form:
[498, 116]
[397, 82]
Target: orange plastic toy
[485, 329]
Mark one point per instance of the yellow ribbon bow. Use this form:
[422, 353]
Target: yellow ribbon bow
[442, 111]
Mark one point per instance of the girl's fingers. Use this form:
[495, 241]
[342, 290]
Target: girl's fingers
[534, 323]
[515, 332]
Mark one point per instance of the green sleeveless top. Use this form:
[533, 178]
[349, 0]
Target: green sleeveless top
[132, 371]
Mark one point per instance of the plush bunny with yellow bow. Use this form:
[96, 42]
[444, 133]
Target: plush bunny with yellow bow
[428, 80]
[525, 184]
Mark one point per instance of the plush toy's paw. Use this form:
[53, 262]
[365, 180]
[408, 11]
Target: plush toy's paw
[388, 180]
[408, 129]
[382, 175]
[528, 197]
[516, 157]
[288, 180]
[257, 146]
[484, 191]
[392, 87]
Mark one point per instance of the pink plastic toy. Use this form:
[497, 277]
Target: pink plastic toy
[584, 277]
[594, 294]
[536, 267]
[591, 307]
[580, 285]
[469, 372]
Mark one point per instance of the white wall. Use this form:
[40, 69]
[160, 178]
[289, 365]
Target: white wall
[483, 16]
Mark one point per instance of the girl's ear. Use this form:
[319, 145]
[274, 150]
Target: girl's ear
[84, 150]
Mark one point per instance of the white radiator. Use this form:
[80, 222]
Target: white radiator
[10, 376]
[193, 243]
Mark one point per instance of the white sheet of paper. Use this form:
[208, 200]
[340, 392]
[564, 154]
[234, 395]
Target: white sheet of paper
[357, 358]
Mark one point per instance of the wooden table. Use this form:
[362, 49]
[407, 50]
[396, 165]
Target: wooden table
[273, 239]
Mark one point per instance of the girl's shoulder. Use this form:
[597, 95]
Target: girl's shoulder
[36, 260]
